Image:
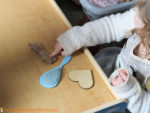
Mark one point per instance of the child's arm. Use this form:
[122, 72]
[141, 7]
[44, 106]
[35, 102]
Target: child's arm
[138, 99]
[104, 30]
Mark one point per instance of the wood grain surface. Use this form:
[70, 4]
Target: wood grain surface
[25, 21]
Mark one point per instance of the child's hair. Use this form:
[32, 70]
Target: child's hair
[144, 33]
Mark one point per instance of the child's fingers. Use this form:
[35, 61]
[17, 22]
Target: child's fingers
[114, 82]
[63, 53]
[124, 71]
[120, 80]
[57, 50]
[123, 74]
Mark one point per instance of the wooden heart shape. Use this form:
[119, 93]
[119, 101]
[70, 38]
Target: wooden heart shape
[148, 84]
[83, 77]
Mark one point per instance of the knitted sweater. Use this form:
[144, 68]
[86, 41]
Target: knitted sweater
[104, 30]
[108, 29]
[138, 98]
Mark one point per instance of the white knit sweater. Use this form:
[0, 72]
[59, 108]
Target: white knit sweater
[138, 98]
[105, 30]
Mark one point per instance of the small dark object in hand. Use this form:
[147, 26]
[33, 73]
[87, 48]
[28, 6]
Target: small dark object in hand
[38, 48]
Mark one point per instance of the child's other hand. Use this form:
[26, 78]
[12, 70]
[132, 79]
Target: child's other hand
[120, 78]
[58, 49]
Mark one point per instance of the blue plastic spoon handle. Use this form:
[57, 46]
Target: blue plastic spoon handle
[52, 77]
[65, 61]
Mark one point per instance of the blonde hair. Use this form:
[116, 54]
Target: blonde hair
[144, 33]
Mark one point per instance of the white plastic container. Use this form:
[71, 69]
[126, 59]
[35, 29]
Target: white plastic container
[94, 12]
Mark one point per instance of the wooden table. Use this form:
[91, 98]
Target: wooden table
[24, 21]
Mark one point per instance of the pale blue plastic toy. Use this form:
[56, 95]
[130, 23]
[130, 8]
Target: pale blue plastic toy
[51, 78]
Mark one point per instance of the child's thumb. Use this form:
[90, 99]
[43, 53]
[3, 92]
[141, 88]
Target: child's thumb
[63, 53]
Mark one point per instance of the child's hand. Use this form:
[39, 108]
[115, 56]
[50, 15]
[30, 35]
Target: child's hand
[58, 49]
[120, 78]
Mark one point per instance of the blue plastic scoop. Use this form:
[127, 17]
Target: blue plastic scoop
[51, 78]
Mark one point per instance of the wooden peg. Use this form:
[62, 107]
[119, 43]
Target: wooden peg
[38, 48]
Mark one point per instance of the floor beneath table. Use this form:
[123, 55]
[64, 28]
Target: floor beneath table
[73, 12]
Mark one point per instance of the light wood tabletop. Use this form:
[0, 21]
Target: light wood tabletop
[25, 21]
